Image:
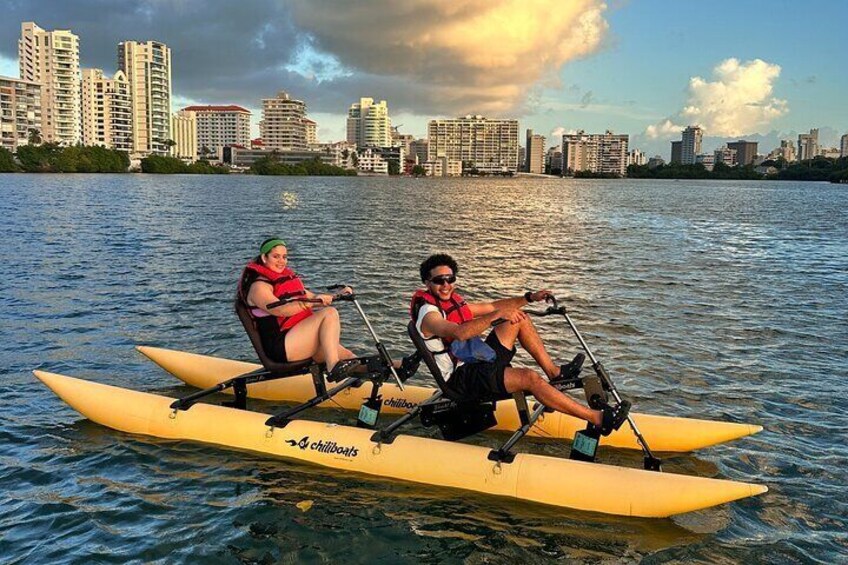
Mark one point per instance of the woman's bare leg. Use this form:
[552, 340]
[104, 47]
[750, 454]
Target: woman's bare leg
[317, 337]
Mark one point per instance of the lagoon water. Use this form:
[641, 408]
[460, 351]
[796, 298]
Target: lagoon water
[715, 300]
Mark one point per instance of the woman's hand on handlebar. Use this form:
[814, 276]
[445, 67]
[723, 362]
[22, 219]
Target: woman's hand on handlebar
[326, 299]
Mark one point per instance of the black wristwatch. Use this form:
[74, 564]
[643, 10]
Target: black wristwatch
[528, 296]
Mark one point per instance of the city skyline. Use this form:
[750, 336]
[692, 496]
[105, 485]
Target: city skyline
[633, 68]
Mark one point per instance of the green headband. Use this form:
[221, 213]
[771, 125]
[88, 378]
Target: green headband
[271, 244]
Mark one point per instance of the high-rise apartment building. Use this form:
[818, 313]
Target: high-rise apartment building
[311, 130]
[20, 112]
[106, 110]
[220, 126]
[368, 124]
[553, 160]
[596, 153]
[490, 146]
[726, 155]
[636, 157]
[676, 152]
[184, 136]
[808, 145]
[535, 153]
[691, 144]
[147, 66]
[843, 146]
[282, 126]
[51, 59]
[746, 151]
[786, 151]
[418, 150]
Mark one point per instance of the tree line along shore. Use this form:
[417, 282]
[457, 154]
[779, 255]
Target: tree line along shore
[53, 158]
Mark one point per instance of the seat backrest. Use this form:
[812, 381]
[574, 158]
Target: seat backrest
[274, 367]
[429, 360]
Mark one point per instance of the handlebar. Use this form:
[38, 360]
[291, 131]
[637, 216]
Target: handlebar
[339, 296]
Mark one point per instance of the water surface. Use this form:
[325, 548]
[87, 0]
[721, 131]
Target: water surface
[716, 300]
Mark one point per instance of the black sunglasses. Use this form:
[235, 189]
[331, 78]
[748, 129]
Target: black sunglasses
[443, 279]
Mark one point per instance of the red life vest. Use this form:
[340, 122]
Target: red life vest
[286, 285]
[455, 309]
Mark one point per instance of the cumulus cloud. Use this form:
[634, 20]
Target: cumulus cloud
[665, 129]
[476, 55]
[426, 57]
[558, 132]
[737, 101]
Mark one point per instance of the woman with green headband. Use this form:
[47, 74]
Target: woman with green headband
[296, 330]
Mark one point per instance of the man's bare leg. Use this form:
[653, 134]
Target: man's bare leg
[526, 334]
[528, 380]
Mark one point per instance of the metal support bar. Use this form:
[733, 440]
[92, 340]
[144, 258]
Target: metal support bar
[187, 402]
[283, 418]
[503, 454]
[386, 435]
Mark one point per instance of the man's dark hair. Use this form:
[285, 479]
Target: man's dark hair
[437, 260]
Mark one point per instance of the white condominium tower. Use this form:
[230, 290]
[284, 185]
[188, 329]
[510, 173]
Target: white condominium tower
[106, 110]
[147, 66]
[594, 152]
[691, 146]
[220, 126]
[282, 126]
[51, 59]
[368, 124]
[490, 146]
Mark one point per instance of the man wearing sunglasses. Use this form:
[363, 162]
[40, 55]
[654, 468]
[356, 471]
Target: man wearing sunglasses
[445, 321]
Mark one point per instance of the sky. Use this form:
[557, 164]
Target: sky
[752, 69]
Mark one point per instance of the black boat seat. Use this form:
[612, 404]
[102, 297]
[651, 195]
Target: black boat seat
[275, 368]
[430, 360]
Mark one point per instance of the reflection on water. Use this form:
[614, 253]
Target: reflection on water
[707, 300]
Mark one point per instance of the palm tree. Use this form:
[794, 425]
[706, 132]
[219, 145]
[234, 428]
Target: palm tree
[35, 136]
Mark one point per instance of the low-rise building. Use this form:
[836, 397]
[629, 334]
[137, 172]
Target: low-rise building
[339, 153]
[371, 161]
[443, 167]
[243, 157]
[707, 160]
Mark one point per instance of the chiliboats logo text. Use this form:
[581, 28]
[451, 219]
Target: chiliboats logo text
[321, 446]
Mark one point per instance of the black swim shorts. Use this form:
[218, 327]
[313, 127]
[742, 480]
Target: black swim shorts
[484, 381]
